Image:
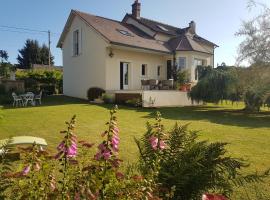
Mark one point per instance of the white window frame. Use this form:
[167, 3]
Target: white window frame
[145, 70]
[76, 45]
[185, 63]
[159, 68]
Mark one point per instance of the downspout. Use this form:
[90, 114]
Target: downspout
[174, 66]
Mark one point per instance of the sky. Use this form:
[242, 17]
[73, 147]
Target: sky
[216, 20]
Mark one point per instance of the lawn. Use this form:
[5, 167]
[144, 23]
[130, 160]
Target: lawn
[247, 134]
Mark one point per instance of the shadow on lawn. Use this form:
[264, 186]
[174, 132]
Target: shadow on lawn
[217, 115]
[213, 114]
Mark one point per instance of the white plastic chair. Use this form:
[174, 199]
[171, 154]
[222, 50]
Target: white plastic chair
[17, 100]
[29, 97]
[38, 97]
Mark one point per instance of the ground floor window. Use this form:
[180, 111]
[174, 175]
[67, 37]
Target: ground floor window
[197, 62]
[158, 70]
[181, 63]
[144, 70]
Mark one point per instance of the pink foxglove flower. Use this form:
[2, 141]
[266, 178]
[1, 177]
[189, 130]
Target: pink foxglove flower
[37, 166]
[26, 170]
[154, 142]
[162, 145]
[213, 197]
[106, 154]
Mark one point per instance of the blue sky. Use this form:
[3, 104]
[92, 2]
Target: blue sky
[217, 20]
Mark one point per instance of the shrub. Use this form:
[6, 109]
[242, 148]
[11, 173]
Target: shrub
[253, 100]
[73, 173]
[51, 81]
[48, 89]
[177, 160]
[107, 98]
[136, 102]
[2, 89]
[6, 99]
[94, 93]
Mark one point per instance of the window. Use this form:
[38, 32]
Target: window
[124, 32]
[144, 69]
[197, 62]
[162, 28]
[158, 70]
[76, 44]
[181, 63]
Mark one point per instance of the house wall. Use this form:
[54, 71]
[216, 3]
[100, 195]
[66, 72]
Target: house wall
[190, 57]
[88, 69]
[135, 60]
[164, 98]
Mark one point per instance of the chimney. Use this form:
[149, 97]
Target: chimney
[192, 27]
[136, 9]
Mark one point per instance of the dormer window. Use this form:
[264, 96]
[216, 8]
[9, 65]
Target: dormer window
[124, 32]
[162, 28]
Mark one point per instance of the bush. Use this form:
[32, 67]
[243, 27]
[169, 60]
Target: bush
[6, 99]
[136, 102]
[51, 81]
[253, 100]
[48, 89]
[2, 89]
[107, 98]
[73, 173]
[177, 160]
[94, 93]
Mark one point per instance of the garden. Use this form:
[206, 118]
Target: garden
[137, 145]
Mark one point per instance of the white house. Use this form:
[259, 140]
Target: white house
[118, 55]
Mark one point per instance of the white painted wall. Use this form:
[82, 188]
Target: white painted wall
[135, 60]
[163, 98]
[190, 56]
[88, 69]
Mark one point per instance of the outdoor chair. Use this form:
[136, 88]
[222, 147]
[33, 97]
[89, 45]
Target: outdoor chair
[29, 97]
[38, 97]
[166, 84]
[145, 84]
[17, 100]
[153, 83]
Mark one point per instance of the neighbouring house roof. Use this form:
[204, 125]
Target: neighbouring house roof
[121, 33]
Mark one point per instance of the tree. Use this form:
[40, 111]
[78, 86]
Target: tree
[3, 55]
[32, 53]
[214, 84]
[256, 46]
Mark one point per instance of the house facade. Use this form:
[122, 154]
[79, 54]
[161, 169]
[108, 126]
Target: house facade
[118, 55]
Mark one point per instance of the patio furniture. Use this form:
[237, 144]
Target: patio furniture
[153, 84]
[145, 84]
[17, 100]
[166, 84]
[29, 97]
[38, 97]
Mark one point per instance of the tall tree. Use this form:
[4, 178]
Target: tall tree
[256, 46]
[3, 55]
[33, 53]
[44, 55]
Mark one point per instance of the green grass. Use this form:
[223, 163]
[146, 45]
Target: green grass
[247, 134]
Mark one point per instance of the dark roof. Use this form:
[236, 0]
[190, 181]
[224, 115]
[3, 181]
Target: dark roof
[155, 26]
[113, 31]
[110, 30]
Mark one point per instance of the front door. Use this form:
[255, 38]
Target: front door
[124, 76]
